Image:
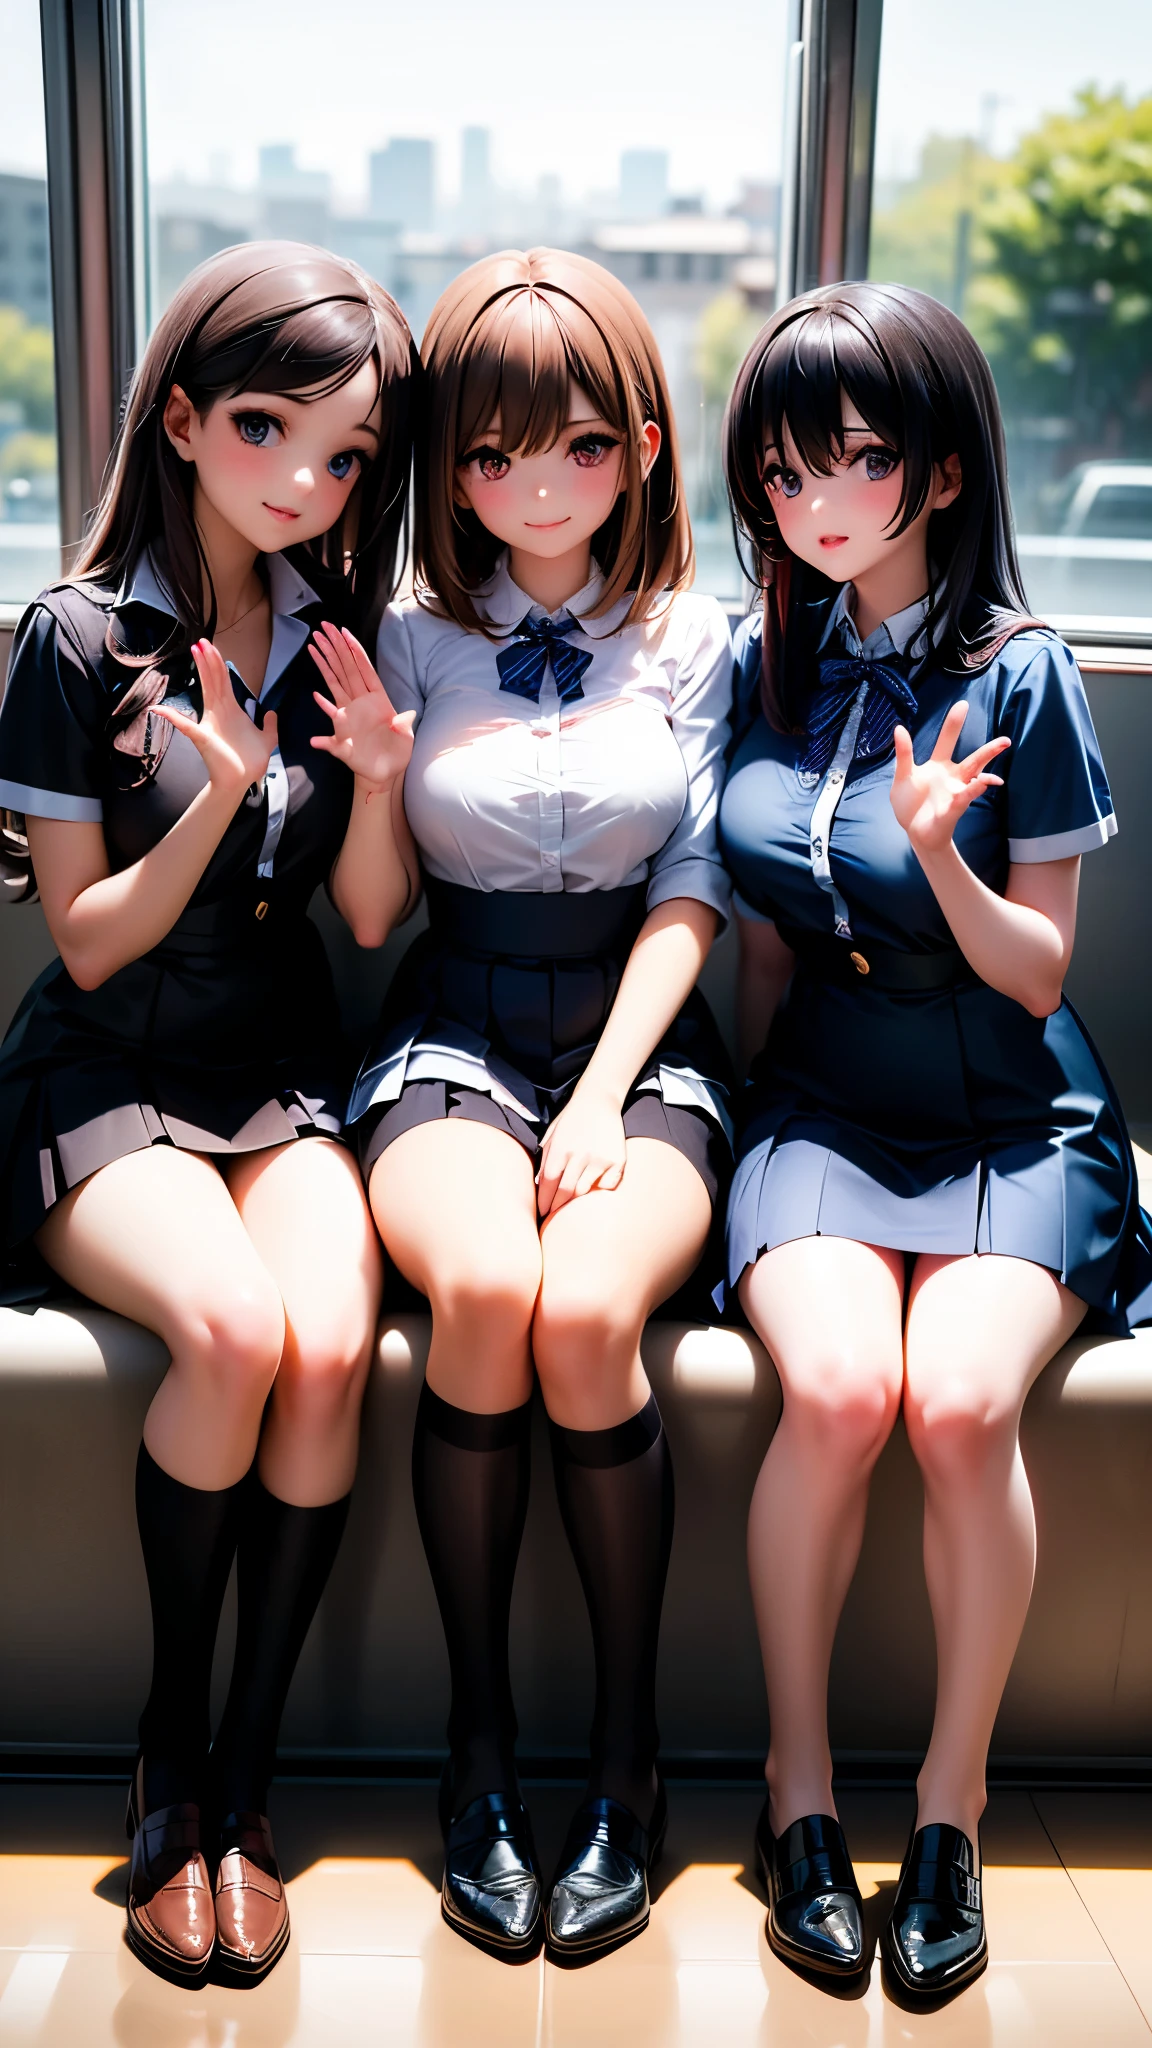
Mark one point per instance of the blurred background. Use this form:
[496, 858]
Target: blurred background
[1012, 179]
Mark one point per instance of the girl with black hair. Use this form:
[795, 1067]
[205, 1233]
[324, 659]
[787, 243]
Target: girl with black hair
[184, 795]
[934, 1186]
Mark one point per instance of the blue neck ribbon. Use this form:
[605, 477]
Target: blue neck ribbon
[535, 643]
[890, 701]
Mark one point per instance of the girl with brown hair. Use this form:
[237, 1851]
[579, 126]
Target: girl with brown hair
[184, 795]
[542, 1118]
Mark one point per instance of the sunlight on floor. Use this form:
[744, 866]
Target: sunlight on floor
[1069, 1900]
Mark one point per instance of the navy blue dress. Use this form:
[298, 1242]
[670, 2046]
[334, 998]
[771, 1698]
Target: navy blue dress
[900, 1101]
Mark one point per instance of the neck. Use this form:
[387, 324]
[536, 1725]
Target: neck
[231, 562]
[893, 583]
[551, 580]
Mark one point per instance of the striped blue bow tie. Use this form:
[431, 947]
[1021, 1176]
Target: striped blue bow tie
[888, 701]
[535, 643]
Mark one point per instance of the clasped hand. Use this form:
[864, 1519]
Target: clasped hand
[929, 799]
[368, 735]
[234, 749]
[582, 1150]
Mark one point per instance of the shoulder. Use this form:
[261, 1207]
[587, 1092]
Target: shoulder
[695, 630]
[1034, 669]
[746, 640]
[66, 625]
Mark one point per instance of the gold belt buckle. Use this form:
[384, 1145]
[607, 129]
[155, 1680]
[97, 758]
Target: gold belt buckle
[857, 959]
[262, 911]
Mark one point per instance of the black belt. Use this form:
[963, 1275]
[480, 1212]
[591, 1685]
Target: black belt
[246, 918]
[523, 925]
[862, 964]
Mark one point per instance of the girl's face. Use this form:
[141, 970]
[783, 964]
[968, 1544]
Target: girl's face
[280, 467]
[844, 523]
[553, 502]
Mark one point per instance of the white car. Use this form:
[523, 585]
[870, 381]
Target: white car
[1098, 559]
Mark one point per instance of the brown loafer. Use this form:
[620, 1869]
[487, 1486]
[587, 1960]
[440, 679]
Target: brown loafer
[251, 1906]
[171, 1916]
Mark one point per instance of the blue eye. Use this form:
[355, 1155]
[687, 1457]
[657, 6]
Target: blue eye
[879, 463]
[256, 428]
[784, 481]
[342, 465]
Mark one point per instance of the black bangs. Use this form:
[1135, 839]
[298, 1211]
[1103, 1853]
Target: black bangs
[828, 354]
[919, 380]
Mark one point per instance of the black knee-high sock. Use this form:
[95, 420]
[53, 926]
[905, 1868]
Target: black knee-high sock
[470, 1476]
[188, 1538]
[617, 1500]
[283, 1562]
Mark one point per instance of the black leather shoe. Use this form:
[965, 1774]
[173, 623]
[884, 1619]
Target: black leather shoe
[934, 1942]
[492, 1890]
[814, 1915]
[600, 1896]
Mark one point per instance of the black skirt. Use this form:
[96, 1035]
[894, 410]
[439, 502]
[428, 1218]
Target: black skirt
[224, 1039]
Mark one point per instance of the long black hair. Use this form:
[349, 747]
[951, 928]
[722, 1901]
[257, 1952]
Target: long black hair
[278, 316]
[919, 380]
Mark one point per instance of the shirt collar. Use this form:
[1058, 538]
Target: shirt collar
[894, 635]
[289, 591]
[503, 604]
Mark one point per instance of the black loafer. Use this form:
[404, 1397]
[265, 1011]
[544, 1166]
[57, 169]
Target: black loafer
[492, 1890]
[935, 1942]
[814, 1914]
[600, 1897]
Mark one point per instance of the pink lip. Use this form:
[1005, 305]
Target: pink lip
[546, 525]
[280, 511]
[833, 540]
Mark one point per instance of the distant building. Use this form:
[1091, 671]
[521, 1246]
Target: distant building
[643, 183]
[25, 267]
[475, 177]
[190, 223]
[402, 182]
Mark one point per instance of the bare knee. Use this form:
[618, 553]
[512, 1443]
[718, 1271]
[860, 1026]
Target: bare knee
[232, 1340]
[488, 1302]
[582, 1333]
[323, 1371]
[958, 1424]
[841, 1407]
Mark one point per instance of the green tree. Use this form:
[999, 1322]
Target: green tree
[1065, 307]
[26, 377]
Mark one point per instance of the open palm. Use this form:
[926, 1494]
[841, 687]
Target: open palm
[368, 735]
[931, 797]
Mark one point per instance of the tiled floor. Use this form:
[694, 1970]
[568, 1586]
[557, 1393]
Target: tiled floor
[1069, 1897]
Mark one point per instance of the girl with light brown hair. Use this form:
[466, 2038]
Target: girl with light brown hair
[542, 1116]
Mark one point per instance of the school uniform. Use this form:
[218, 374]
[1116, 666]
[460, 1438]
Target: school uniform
[899, 1100]
[564, 780]
[225, 1037]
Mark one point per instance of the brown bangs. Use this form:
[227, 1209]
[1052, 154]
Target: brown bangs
[508, 339]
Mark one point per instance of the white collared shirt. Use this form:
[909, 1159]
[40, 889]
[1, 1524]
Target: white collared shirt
[618, 787]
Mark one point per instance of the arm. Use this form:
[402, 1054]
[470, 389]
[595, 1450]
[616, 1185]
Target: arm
[101, 921]
[765, 970]
[376, 879]
[1019, 943]
[584, 1148]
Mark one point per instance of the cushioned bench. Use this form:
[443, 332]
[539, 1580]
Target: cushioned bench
[74, 1386]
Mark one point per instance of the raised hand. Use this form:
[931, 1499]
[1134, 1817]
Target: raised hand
[582, 1150]
[930, 800]
[372, 739]
[235, 751]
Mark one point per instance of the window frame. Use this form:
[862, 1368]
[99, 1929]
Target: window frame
[94, 112]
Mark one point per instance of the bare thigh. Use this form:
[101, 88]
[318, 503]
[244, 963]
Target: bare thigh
[157, 1237]
[610, 1257]
[980, 1331]
[455, 1203]
[304, 1208]
[829, 1310]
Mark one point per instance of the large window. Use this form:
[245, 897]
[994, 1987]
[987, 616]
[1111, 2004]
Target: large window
[1014, 181]
[415, 139]
[29, 511]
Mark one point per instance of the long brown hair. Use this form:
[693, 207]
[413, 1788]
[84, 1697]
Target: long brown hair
[915, 374]
[277, 317]
[509, 336]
